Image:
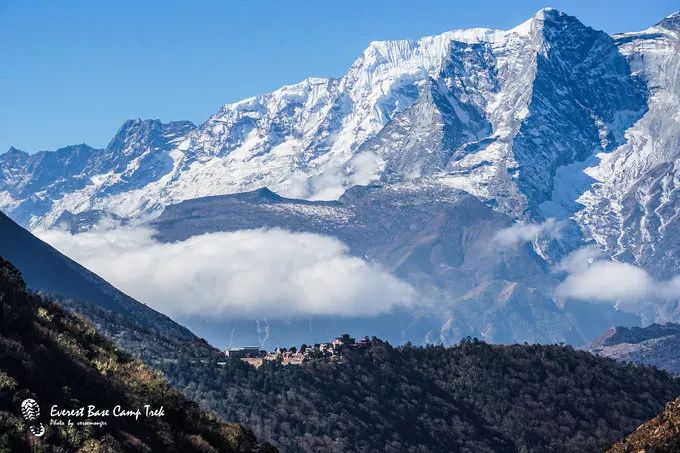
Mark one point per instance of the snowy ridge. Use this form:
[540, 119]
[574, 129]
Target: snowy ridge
[305, 140]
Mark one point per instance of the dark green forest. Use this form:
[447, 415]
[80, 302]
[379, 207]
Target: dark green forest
[472, 397]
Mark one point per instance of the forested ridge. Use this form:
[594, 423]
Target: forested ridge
[471, 397]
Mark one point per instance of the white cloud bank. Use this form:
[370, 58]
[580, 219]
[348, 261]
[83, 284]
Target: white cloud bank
[271, 274]
[589, 274]
[592, 276]
[361, 169]
[520, 233]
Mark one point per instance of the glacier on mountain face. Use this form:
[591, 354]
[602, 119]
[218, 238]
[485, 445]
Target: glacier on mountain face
[631, 209]
[549, 119]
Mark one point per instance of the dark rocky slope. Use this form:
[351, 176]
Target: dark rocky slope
[132, 325]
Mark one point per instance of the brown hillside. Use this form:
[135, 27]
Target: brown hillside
[659, 435]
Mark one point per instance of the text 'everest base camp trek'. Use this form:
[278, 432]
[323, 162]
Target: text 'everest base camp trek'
[513, 186]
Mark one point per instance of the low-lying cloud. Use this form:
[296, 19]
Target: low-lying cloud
[273, 274]
[361, 169]
[592, 276]
[520, 233]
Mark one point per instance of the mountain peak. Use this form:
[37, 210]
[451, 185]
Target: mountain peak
[554, 16]
[148, 131]
[547, 12]
[259, 195]
[138, 123]
[671, 22]
[14, 152]
[388, 48]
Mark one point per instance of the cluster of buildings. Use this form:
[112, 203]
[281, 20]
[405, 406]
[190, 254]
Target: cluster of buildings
[245, 352]
[294, 356]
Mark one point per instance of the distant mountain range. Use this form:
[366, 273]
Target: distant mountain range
[656, 345]
[551, 119]
[438, 238]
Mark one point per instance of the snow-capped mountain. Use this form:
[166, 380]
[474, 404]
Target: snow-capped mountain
[632, 203]
[33, 185]
[548, 119]
[495, 113]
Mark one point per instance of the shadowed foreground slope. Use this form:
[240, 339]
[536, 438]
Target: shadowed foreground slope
[56, 358]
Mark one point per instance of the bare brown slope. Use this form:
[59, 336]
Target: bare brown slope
[659, 435]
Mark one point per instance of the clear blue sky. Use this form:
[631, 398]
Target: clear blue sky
[73, 71]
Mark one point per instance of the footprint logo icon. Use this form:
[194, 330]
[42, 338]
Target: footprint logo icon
[30, 410]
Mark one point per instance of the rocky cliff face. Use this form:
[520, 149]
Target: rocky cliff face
[630, 208]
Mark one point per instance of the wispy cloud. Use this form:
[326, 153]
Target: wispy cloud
[520, 233]
[362, 169]
[271, 274]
